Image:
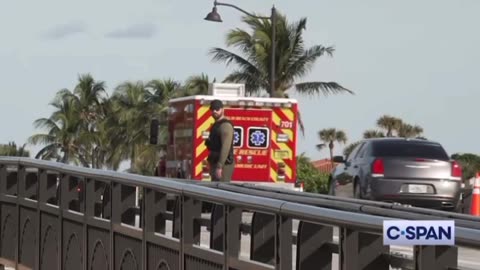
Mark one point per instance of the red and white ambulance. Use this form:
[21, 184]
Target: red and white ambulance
[265, 136]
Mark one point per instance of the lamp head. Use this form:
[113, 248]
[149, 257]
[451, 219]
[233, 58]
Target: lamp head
[213, 16]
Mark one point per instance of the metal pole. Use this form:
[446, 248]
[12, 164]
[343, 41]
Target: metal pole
[272, 57]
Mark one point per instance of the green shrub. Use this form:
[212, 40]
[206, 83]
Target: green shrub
[313, 180]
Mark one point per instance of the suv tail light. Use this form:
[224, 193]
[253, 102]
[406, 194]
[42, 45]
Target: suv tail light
[378, 169]
[456, 170]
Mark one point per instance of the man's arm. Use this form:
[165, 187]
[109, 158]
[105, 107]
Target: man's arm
[226, 135]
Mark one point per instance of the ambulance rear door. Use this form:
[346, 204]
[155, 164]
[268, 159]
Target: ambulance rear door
[252, 131]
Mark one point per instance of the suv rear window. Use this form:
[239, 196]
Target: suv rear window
[409, 149]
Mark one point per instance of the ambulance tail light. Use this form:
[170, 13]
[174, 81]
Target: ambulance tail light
[299, 186]
[205, 169]
[281, 171]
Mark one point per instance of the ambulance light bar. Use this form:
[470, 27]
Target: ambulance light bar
[252, 103]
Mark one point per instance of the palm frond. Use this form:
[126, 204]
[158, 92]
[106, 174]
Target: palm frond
[300, 66]
[325, 88]
[222, 55]
[253, 83]
[300, 123]
[41, 139]
[321, 146]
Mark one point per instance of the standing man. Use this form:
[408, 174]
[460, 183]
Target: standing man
[220, 144]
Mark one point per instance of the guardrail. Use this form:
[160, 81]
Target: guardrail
[55, 216]
[352, 205]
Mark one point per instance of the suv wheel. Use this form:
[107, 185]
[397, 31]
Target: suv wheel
[356, 191]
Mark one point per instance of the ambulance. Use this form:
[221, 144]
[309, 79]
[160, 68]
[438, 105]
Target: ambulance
[265, 137]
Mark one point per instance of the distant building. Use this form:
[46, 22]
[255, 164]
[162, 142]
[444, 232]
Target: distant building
[323, 165]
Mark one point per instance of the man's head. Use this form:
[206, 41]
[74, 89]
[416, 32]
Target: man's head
[216, 107]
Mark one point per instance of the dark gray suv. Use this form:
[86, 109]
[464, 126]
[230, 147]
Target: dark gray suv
[408, 171]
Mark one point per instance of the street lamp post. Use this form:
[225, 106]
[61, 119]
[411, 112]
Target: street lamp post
[215, 17]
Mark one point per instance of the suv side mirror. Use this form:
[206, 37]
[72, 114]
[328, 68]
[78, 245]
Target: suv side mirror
[338, 159]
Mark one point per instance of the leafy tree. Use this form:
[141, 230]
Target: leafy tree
[329, 137]
[12, 150]
[314, 180]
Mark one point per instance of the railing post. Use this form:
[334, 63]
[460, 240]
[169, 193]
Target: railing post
[190, 234]
[283, 242]
[217, 227]
[41, 189]
[435, 257]
[233, 219]
[115, 218]
[177, 218]
[20, 187]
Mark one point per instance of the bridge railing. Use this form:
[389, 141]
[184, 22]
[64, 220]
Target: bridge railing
[55, 216]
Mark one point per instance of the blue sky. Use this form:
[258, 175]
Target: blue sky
[417, 60]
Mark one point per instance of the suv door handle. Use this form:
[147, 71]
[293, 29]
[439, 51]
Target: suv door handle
[355, 167]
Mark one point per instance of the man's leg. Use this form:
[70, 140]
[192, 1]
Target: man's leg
[213, 174]
[227, 172]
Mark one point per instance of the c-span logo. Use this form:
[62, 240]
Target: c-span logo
[419, 232]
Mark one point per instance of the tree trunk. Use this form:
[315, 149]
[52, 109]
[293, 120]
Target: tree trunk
[330, 146]
[94, 166]
[65, 157]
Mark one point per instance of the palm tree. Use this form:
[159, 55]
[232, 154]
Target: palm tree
[77, 116]
[409, 131]
[12, 150]
[133, 105]
[160, 91]
[329, 137]
[293, 60]
[349, 148]
[372, 133]
[89, 98]
[197, 84]
[389, 123]
[131, 115]
[61, 139]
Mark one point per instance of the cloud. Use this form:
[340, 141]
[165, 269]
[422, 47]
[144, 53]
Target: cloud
[65, 30]
[137, 31]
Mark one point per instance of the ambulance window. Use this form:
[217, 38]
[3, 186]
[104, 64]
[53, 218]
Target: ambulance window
[258, 137]
[237, 136]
